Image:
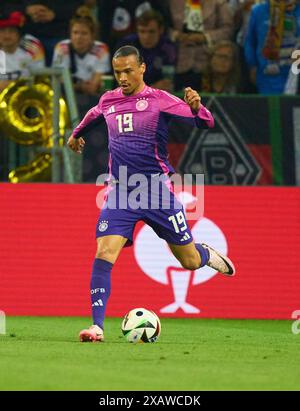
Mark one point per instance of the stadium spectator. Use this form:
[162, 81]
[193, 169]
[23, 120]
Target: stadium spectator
[158, 52]
[197, 26]
[292, 85]
[86, 58]
[93, 7]
[117, 17]
[48, 20]
[94, 10]
[21, 52]
[242, 10]
[223, 74]
[272, 35]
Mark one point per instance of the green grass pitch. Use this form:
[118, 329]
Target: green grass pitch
[43, 353]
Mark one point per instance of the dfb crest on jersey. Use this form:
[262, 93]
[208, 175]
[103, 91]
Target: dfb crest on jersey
[141, 104]
[103, 225]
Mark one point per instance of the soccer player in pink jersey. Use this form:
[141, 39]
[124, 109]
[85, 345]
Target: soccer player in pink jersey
[137, 118]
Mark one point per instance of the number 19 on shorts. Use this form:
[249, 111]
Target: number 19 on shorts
[178, 221]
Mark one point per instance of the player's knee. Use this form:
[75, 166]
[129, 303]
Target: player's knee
[191, 263]
[105, 253]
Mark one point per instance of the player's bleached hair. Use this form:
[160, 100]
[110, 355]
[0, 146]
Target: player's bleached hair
[125, 51]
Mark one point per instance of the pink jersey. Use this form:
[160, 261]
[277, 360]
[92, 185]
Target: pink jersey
[138, 128]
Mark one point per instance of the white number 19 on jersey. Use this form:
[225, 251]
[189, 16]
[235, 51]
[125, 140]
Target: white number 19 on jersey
[125, 122]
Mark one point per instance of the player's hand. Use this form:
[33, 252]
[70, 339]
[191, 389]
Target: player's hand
[192, 98]
[76, 144]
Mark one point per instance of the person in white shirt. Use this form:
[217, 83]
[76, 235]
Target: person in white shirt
[20, 53]
[86, 58]
[292, 85]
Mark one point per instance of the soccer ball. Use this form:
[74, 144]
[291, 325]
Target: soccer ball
[141, 326]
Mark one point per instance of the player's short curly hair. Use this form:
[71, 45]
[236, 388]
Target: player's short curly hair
[125, 51]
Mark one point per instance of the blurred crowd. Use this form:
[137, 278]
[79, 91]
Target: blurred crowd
[214, 46]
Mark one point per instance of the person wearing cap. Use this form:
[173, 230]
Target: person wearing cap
[21, 52]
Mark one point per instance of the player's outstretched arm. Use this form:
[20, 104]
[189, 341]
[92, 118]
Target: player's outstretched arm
[76, 144]
[191, 110]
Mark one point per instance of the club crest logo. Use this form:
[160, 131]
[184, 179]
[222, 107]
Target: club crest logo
[103, 226]
[142, 104]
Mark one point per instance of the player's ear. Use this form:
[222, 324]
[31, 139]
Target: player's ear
[143, 68]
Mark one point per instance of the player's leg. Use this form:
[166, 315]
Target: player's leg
[195, 255]
[108, 250]
[187, 255]
[170, 224]
[109, 247]
[114, 230]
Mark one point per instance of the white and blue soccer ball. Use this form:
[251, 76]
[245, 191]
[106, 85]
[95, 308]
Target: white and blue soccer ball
[141, 326]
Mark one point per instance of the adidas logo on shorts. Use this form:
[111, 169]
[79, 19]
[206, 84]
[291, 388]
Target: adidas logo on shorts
[185, 237]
